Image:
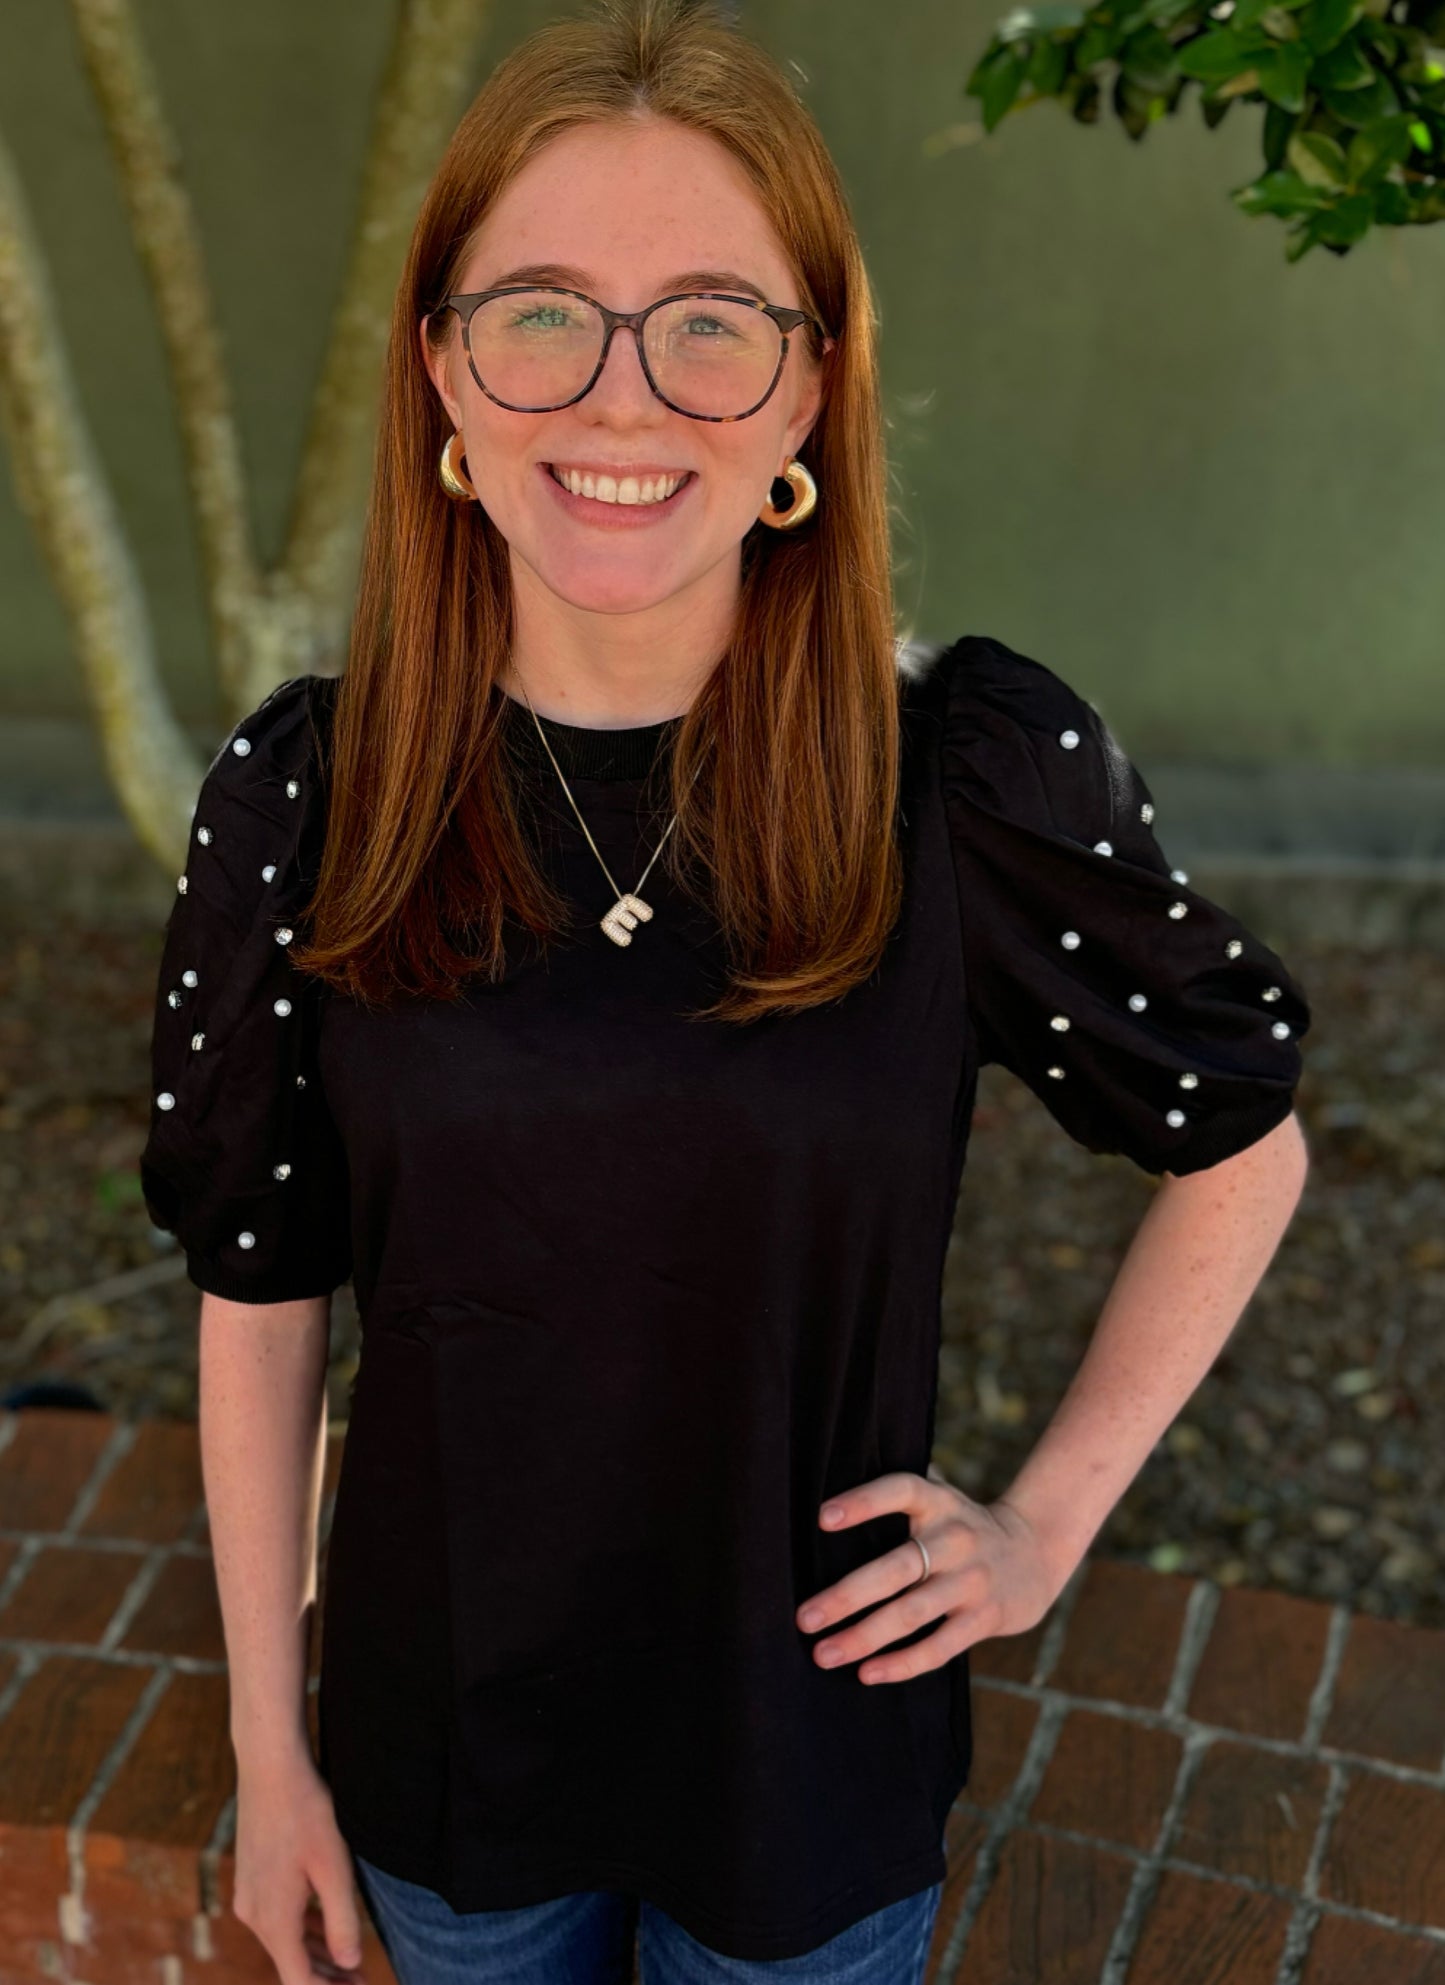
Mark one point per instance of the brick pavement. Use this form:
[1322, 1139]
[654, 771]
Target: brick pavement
[1174, 1783]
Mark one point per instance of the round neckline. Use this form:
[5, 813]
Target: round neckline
[590, 751]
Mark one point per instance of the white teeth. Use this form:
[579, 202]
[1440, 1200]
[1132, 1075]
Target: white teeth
[607, 489]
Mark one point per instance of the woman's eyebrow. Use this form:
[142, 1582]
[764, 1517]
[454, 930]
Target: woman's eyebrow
[558, 272]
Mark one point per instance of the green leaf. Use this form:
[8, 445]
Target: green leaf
[1279, 193]
[1420, 135]
[1318, 158]
[1283, 75]
[1215, 57]
[1096, 44]
[1379, 146]
[1343, 224]
[1324, 22]
[1023, 23]
[996, 83]
[1344, 67]
[1280, 23]
[1392, 204]
[1148, 59]
[1279, 126]
[1357, 108]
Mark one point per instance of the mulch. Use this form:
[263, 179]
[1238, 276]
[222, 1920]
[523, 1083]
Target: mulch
[1311, 1458]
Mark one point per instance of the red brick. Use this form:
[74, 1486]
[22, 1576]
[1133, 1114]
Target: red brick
[1201, 1932]
[181, 1614]
[1049, 1915]
[1123, 1634]
[48, 1462]
[1386, 1850]
[1251, 1812]
[68, 1594]
[1389, 1699]
[1002, 1726]
[60, 1727]
[154, 1490]
[180, 1771]
[1261, 1663]
[1007, 1657]
[140, 1903]
[1108, 1777]
[1346, 1951]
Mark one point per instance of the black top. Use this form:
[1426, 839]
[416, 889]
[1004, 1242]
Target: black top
[639, 1292]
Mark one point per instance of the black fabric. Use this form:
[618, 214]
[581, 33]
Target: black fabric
[639, 1292]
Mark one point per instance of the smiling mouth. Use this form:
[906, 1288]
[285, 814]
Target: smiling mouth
[641, 490]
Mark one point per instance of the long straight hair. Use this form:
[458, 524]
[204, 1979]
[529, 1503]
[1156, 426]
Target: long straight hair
[788, 831]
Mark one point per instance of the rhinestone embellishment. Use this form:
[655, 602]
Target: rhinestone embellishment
[180, 885]
[1177, 910]
[285, 934]
[1270, 992]
[173, 998]
[301, 1082]
[203, 835]
[198, 1040]
[1146, 812]
[1057, 1072]
[1233, 948]
[293, 789]
[1189, 1082]
[1178, 875]
[282, 1171]
[1060, 1023]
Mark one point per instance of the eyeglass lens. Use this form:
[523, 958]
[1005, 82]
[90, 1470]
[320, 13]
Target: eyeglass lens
[536, 349]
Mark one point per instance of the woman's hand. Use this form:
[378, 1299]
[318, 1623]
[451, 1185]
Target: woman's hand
[295, 1889]
[989, 1575]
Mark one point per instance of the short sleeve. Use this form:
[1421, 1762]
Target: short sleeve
[1144, 1016]
[243, 1162]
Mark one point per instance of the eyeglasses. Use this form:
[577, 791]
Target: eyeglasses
[706, 354]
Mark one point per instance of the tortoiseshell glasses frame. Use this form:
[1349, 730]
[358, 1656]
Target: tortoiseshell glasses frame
[787, 321]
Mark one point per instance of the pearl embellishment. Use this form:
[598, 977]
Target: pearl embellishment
[1178, 875]
[246, 1240]
[1189, 1082]
[301, 1082]
[1056, 1072]
[1179, 910]
[1060, 1023]
[180, 885]
[1068, 739]
[281, 1007]
[1070, 940]
[188, 978]
[165, 1100]
[203, 835]
[1270, 992]
[1103, 847]
[1137, 1002]
[268, 871]
[1280, 1030]
[1175, 1118]
[241, 746]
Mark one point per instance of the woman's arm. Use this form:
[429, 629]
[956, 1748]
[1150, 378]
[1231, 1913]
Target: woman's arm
[263, 1451]
[1195, 1261]
[996, 1568]
[263, 1435]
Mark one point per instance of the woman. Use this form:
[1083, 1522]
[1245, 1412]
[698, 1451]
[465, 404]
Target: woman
[600, 971]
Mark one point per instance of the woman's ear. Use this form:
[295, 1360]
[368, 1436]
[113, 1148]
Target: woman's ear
[437, 360]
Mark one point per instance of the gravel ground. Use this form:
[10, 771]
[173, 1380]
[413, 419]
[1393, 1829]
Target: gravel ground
[1311, 1459]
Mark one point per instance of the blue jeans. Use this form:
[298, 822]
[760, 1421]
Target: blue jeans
[587, 1939]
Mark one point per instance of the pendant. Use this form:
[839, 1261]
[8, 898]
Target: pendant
[623, 918]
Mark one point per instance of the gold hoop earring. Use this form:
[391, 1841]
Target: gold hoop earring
[804, 503]
[454, 481]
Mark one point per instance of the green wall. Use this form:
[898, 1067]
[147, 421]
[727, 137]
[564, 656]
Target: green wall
[1128, 438]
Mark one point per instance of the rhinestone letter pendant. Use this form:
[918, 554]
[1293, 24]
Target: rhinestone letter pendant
[625, 915]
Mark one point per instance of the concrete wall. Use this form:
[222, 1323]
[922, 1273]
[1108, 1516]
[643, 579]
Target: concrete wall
[1128, 438]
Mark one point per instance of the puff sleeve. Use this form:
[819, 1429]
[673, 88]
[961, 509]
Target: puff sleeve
[1145, 1017]
[243, 1162]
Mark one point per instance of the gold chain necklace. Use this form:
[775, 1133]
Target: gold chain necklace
[629, 910]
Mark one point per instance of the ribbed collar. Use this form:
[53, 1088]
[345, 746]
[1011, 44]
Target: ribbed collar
[585, 753]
